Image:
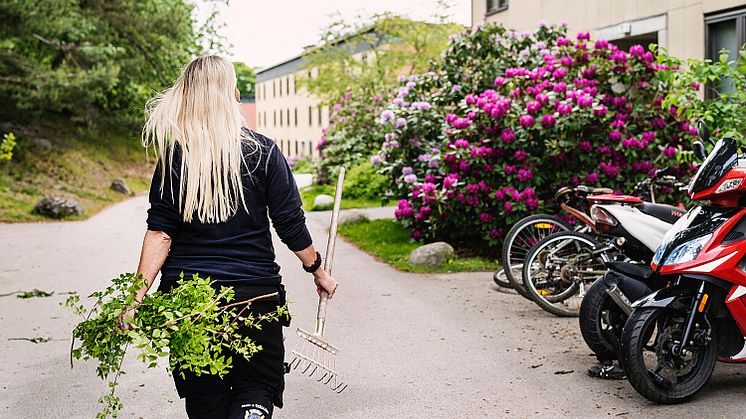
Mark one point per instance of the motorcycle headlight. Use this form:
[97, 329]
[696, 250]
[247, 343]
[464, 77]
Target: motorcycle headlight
[686, 252]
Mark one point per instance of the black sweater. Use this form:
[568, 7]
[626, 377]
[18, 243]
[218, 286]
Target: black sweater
[239, 251]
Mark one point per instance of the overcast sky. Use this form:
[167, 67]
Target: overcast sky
[265, 32]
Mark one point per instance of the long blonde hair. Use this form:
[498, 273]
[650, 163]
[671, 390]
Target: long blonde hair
[201, 115]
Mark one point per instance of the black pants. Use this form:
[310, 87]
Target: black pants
[251, 388]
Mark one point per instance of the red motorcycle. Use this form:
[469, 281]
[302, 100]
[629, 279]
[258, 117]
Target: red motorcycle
[674, 336]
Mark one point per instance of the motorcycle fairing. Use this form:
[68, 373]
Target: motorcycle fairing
[675, 297]
[721, 159]
[647, 229]
[715, 257]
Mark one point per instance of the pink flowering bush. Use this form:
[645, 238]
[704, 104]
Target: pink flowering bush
[512, 117]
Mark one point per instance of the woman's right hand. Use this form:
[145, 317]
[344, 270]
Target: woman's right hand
[325, 282]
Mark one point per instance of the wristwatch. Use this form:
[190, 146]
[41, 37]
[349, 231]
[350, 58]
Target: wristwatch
[315, 266]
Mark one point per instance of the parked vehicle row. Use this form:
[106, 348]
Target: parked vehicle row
[661, 290]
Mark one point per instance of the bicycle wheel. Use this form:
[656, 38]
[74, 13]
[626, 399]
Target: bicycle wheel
[519, 241]
[501, 278]
[559, 269]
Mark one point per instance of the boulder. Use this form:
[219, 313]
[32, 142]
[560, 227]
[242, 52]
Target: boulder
[322, 202]
[41, 144]
[352, 216]
[121, 186]
[432, 254]
[58, 207]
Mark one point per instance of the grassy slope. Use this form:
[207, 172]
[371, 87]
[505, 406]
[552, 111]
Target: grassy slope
[390, 242]
[81, 164]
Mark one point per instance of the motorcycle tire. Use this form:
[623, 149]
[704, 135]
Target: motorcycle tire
[518, 243]
[601, 322]
[640, 328]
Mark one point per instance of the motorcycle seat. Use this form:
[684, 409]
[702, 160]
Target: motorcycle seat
[663, 212]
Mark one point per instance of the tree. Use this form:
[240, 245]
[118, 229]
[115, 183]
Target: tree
[246, 79]
[367, 56]
[91, 58]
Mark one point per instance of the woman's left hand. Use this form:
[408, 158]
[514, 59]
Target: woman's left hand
[325, 282]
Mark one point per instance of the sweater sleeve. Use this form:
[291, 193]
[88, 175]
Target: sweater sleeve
[284, 203]
[163, 214]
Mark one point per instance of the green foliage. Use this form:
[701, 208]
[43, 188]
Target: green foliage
[246, 78]
[725, 111]
[363, 181]
[92, 59]
[193, 325]
[7, 145]
[35, 293]
[300, 165]
[308, 194]
[390, 241]
[390, 44]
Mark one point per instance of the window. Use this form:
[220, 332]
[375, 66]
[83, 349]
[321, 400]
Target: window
[310, 148]
[287, 85]
[296, 147]
[273, 89]
[288, 116]
[725, 31]
[280, 87]
[295, 118]
[281, 117]
[274, 118]
[494, 6]
[319, 115]
[302, 147]
[310, 116]
[293, 85]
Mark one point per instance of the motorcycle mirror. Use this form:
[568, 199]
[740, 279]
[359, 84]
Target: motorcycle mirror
[699, 150]
[703, 131]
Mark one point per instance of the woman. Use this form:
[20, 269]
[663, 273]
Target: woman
[215, 187]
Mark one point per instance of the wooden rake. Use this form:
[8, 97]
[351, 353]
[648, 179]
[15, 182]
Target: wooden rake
[316, 357]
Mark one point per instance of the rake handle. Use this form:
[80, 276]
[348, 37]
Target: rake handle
[331, 241]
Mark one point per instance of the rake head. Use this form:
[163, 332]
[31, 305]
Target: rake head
[317, 358]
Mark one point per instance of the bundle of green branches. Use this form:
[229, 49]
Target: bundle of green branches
[195, 324]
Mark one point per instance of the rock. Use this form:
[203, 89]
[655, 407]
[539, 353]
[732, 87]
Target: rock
[58, 207]
[352, 216]
[432, 254]
[121, 186]
[41, 144]
[322, 202]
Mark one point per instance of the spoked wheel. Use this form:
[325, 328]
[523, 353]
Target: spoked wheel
[650, 356]
[560, 268]
[519, 241]
[601, 322]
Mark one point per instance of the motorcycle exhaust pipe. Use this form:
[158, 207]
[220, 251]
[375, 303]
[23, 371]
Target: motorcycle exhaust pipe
[620, 299]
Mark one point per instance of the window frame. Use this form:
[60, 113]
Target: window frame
[497, 9]
[739, 15]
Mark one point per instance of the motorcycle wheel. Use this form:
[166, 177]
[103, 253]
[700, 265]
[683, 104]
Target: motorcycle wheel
[652, 369]
[556, 271]
[601, 322]
[519, 241]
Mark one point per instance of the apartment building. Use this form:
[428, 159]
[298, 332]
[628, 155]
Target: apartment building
[286, 112]
[686, 28]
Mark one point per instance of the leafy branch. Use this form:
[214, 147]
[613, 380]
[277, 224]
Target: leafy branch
[196, 325]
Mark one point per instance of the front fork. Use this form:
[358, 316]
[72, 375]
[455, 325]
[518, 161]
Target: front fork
[698, 306]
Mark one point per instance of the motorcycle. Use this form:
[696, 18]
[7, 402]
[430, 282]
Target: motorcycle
[674, 336]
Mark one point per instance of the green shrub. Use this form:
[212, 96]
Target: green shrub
[7, 145]
[364, 182]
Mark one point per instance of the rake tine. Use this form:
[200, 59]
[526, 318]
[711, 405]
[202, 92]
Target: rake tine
[315, 367]
[329, 379]
[340, 390]
[323, 376]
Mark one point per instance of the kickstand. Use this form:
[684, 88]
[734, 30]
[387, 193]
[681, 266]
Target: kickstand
[607, 371]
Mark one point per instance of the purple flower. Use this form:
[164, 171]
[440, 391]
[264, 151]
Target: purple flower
[602, 44]
[548, 120]
[389, 136]
[508, 207]
[619, 56]
[559, 73]
[636, 50]
[387, 115]
[520, 155]
[670, 151]
[509, 168]
[337, 107]
[560, 87]
[533, 106]
[485, 217]
[507, 135]
[400, 122]
[600, 111]
[376, 159]
[411, 178]
[450, 180]
[585, 146]
[401, 77]
[526, 121]
[566, 61]
[410, 85]
[433, 164]
[562, 41]
[403, 91]
[609, 169]
[461, 143]
[591, 178]
[456, 88]
[407, 170]
[585, 101]
[584, 36]
[525, 175]
[499, 81]
[564, 108]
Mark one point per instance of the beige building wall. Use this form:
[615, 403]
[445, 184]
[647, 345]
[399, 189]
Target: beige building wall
[680, 24]
[286, 113]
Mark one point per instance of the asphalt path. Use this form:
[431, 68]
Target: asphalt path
[411, 345]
